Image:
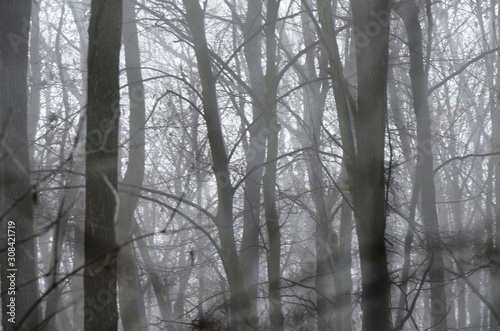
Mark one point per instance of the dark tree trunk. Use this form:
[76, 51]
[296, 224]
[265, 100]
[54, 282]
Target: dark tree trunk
[364, 155]
[371, 23]
[18, 250]
[101, 212]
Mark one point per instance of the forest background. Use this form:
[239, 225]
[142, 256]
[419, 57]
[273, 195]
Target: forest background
[250, 165]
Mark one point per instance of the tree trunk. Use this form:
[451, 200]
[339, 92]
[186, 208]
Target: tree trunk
[371, 23]
[132, 308]
[495, 137]
[36, 76]
[240, 300]
[364, 156]
[67, 198]
[255, 153]
[409, 13]
[102, 201]
[314, 96]
[18, 250]
[495, 268]
[344, 263]
[161, 292]
[269, 180]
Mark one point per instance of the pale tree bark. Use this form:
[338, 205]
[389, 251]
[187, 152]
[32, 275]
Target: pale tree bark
[36, 75]
[16, 205]
[189, 255]
[102, 201]
[457, 217]
[162, 292]
[326, 240]
[240, 300]
[332, 281]
[398, 117]
[344, 297]
[255, 153]
[72, 205]
[408, 11]
[203, 241]
[67, 198]
[333, 247]
[314, 96]
[489, 40]
[269, 179]
[495, 270]
[132, 307]
[184, 262]
[495, 139]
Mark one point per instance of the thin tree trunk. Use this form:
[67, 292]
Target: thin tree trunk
[495, 124]
[162, 293]
[132, 308]
[425, 170]
[344, 288]
[269, 180]
[495, 269]
[67, 199]
[399, 121]
[255, 153]
[240, 299]
[36, 76]
[326, 241]
[76, 281]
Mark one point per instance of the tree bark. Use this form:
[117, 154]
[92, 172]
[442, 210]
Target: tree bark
[67, 198]
[269, 179]
[16, 205]
[371, 24]
[363, 144]
[102, 201]
[314, 102]
[255, 153]
[240, 300]
[36, 76]
[132, 308]
[495, 137]
[425, 169]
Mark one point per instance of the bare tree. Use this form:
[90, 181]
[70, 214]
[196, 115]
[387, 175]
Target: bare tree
[425, 169]
[18, 250]
[101, 197]
[240, 299]
[132, 307]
